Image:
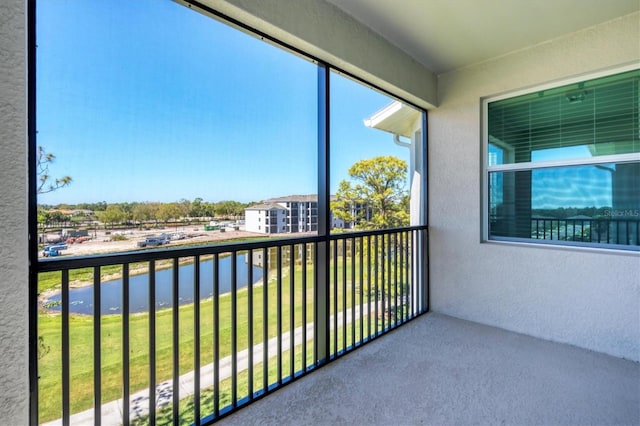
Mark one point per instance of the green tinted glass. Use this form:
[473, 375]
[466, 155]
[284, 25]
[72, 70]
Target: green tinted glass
[581, 120]
[596, 203]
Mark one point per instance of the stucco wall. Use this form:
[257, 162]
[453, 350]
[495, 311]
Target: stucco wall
[14, 372]
[581, 297]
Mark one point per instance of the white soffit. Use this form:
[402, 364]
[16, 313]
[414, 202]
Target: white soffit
[445, 35]
[395, 118]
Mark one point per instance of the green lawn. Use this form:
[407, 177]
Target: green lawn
[81, 340]
[164, 416]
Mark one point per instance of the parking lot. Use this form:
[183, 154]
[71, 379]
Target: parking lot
[127, 240]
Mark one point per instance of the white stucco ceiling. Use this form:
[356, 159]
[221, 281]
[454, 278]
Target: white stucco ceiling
[448, 34]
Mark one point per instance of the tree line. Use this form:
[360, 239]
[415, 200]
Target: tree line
[140, 212]
[375, 197]
[567, 212]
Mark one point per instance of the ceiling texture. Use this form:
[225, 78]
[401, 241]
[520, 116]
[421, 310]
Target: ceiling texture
[445, 35]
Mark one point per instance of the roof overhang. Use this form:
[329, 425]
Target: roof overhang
[396, 118]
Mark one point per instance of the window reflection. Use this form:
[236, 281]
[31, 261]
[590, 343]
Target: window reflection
[591, 203]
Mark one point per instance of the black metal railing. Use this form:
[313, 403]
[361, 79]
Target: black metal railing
[189, 335]
[608, 231]
[601, 231]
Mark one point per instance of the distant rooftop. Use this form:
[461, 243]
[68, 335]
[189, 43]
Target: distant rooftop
[296, 198]
[293, 198]
[265, 206]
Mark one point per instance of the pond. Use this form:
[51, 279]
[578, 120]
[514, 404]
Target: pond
[81, 299]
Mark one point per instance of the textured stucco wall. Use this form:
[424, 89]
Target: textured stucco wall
[581, 297]
[14, 372]
[323, 30]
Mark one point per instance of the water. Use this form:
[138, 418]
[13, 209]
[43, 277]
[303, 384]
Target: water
[81, 299]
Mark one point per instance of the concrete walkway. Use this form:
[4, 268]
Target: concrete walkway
[139, 401]
[438, 370]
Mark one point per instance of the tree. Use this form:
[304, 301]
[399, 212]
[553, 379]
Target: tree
[144, 212]
[51, 217]
[43, 160]
[229, 208]
[376, 197]
[168, 211]
[200, 208]
[185, 207]
[113, 214]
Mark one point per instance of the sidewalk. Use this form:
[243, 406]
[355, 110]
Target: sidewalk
[139, 401]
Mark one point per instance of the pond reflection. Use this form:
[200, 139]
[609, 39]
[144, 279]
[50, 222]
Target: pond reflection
[81, 299]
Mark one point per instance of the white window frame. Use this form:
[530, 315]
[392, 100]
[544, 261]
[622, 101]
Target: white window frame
[486, 168]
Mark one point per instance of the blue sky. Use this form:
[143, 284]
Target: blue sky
[150, 101]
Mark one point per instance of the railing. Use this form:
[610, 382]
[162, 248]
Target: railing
[602, 231]
[190, 335]
[615, 231]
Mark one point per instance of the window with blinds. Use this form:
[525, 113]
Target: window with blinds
[563, 164]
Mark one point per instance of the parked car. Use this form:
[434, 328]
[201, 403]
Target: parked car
[53, 250]
[154, 241]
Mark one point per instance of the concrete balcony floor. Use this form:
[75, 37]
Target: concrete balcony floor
[441, 370]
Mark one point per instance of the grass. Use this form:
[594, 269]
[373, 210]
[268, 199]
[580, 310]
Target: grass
[164, 416]
[81, 330]
[186, 410]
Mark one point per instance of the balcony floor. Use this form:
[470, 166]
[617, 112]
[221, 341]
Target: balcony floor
[441, 370]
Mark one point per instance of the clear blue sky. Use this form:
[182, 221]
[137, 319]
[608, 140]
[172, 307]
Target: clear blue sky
[147, 100]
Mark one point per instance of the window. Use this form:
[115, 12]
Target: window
[562, 164]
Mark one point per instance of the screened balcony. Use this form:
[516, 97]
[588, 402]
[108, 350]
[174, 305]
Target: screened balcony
[205, 343]
[208, 330]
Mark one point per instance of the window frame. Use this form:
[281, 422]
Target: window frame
[486, 169]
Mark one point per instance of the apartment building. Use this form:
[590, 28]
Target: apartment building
[290, 214]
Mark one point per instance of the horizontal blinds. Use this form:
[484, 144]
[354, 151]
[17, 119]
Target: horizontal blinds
[601, 115]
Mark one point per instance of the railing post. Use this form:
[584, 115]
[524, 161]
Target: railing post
[424, 270]
[423, 260]
[321, 325]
